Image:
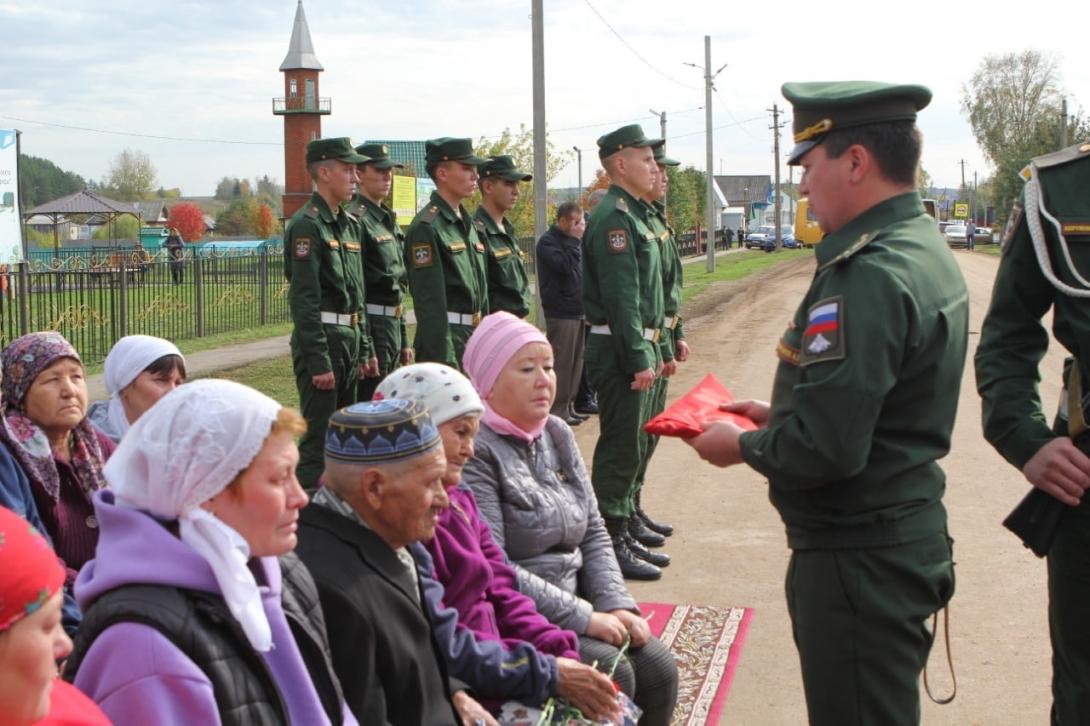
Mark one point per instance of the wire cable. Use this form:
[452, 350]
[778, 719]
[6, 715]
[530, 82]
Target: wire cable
[139, 135]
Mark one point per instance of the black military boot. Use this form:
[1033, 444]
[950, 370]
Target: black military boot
[658, 559]
[643, 534]
[632, 567]
[661, 527]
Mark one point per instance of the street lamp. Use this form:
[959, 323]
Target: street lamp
[579, 154]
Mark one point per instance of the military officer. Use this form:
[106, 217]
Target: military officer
[383, 265]
[330, 345]
[622, 299]
[508, 283]
[862, 408]
[1044, 268]
[445, 257]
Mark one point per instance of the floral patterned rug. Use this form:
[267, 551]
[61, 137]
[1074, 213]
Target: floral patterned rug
[707, 642]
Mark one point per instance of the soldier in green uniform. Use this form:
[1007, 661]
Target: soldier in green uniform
[1044, 268]
[508, 283]
[862, 408]
[330, 345]
[672, 345]
[623, 302]
[383, 266]
[445, 257]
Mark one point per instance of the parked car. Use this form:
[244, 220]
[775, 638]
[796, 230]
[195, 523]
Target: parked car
[984, 236]
[955, 235]
[765, 236]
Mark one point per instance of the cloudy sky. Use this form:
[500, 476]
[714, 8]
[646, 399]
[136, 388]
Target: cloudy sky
[415, 69]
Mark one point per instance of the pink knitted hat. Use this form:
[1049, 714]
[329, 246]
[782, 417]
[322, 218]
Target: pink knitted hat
[493, 343]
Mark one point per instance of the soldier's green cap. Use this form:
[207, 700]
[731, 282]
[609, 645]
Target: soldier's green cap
[447, 149]
[624, 137]
[339, 148]
[378, 156]
[662, 158]
[503, 167]
[827, 106]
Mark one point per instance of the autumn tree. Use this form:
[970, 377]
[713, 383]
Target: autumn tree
[132, 177]
[263, 222]
[685, 197]
[601, 181]
[188, 219]
[237, 219]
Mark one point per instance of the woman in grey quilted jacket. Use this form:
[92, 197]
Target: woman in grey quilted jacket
[533, 490]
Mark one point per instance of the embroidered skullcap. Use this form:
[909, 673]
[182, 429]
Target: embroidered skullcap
[30, 572]
[443, 391]
[380, 432]
[496, 341]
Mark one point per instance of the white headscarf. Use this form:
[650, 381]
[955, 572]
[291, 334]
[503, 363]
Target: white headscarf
[182, 452]
[127, 360]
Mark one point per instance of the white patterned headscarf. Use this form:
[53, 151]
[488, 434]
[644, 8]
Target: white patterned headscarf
[182, 452]
[127, 360]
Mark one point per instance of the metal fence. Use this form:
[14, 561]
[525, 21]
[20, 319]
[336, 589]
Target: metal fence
[93, 301]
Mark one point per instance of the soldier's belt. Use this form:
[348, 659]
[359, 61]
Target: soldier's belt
[385, 310]
[670, 323]
[350, 320]
[471, 321]
[651, 334]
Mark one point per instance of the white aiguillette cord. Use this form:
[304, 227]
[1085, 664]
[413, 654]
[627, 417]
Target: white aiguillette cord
[1035, 208]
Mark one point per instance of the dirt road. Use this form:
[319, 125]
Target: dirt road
[730, 547]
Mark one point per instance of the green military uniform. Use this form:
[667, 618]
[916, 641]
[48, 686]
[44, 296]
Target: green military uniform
[445, 259]
[383, 274]
[1012, 344]
[508, 283]
[623, 303]
[863, 406]
[326, 295]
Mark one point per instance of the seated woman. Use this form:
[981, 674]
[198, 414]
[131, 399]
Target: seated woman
[139, 370]
[478, 581]
[31, 638]
[214, 628]
[532, 488]
[45, 427]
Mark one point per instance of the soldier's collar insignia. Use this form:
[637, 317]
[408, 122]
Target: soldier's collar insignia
[622, 205]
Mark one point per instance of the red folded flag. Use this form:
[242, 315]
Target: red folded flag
[684, 416]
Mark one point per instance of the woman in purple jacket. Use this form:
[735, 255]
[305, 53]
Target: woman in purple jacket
[478, 581]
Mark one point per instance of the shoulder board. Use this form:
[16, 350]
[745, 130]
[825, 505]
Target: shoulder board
[311, 212]
[1063, 156]
[354, 207]
[622, 205]
[428, 214]
[862, 241]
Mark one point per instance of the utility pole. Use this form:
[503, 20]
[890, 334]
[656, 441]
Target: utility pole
[776, 125]
[972, 200]
[709, 165]
[662, 122]
[541, 210]
[962, 163]
[579, 154]
[1063, 122]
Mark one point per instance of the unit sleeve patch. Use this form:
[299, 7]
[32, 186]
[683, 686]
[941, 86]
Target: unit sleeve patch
[422, 254]
[617, 241]
[823, 338]
[1012, 225]
[302, 248]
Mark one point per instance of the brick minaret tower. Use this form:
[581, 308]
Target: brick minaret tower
[302, 110]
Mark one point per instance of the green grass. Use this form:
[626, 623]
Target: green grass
[733, 267]
[273, 377]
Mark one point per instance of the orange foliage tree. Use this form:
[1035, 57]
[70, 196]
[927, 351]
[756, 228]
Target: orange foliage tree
[188, 219]
[601, 181]
[263, 222]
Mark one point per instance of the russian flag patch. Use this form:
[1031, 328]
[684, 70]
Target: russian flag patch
[823, 339]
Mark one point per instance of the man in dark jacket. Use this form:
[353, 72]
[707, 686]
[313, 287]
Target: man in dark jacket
[560, 277]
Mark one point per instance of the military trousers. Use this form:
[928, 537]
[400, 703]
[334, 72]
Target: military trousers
[386, 340]
[318, 405]
[657, 405]
[622, 413]
[1068, 621]
[860, 622]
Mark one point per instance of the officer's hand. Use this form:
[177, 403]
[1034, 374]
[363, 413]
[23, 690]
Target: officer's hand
[588, 689]
[1061, 470]
[371, 371]
[470, 712]
[636, 626]
[324, 381]
[755, 411]
[669, 368]
[681, 351]
[718, 444]
[607, 628]
[406, 356]
[643, 380]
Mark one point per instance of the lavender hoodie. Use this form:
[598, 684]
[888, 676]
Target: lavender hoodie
[138, 676]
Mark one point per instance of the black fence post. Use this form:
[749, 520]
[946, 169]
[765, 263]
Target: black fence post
[198, 287]
[123, 300]
[24, 298]
[263, 281]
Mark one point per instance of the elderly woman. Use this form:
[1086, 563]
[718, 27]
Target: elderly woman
[31, 638]
[222, 625]
[139, 370]
[45, 427]
[477, 579]
[533, 489]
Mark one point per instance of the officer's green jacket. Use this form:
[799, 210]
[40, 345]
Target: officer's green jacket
[867, 386]
[671, 278]
[324, 272]
[508, 284]
[622, 277]
[1013, 341]
[445, 260]
[383, 254]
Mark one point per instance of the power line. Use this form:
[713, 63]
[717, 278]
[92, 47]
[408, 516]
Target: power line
[636, 52]
[604, 123]
[139, 135]
[723, 105]
[720, 128]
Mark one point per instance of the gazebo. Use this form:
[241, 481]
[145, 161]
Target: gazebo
[81, 203]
